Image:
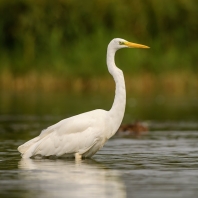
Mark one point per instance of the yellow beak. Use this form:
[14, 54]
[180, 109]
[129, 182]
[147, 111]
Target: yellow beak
[135, 45]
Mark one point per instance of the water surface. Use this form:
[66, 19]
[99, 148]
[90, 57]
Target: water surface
[162, 163]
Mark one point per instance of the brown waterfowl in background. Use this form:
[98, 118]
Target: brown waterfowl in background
[136, 128]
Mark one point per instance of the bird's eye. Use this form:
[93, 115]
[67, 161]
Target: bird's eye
[121, 42]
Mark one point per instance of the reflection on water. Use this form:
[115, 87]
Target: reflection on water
[61, 178]
[66, 104]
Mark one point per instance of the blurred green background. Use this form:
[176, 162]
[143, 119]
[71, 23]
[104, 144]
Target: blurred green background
[47, 44]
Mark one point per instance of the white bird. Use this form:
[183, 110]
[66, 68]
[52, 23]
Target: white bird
[81, 136]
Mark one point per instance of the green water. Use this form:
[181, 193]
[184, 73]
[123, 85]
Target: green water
[62, 105]
[161, 163]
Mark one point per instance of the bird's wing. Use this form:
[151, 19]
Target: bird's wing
[74, 134]
[53, 144]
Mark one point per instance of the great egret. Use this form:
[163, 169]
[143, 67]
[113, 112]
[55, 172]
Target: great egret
[81, 136]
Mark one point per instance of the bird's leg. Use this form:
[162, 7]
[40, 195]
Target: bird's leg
[78, 156]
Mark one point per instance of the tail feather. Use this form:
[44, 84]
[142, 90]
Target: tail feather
[24, 147]
[27, 148]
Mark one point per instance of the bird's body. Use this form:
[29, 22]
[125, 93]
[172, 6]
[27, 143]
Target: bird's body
[84, 134]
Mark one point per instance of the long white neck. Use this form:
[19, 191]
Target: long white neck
[117, 110]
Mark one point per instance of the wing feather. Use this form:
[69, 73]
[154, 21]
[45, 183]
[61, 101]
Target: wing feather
[53, 144]
[75, 134]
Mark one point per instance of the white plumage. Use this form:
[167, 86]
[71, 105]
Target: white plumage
[84, 134]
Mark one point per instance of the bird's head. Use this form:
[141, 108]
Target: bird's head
[119, 43]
